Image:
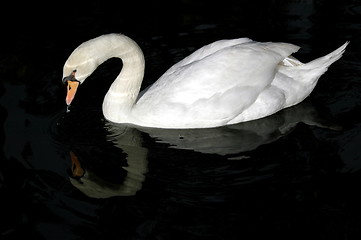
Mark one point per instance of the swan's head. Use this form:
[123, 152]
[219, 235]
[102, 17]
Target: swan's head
[80, 64]
[83, 61]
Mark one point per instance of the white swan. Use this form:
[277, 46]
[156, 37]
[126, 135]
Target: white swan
[225, 82]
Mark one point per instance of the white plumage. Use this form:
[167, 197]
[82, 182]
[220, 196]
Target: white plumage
[225, 82]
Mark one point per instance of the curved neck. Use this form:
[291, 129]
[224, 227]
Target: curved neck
[124, 91]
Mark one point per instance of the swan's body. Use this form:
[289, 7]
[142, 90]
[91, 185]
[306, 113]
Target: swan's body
[226, 82]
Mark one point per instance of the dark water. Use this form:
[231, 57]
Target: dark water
[294, 175]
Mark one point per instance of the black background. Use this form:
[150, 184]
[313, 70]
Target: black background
[304, 186]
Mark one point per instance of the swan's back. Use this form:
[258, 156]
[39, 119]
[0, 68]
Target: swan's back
[213, 85]
[208, 50]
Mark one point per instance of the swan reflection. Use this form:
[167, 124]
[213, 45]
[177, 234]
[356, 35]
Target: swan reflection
[110, 176]
[228, 140]
[238, 138]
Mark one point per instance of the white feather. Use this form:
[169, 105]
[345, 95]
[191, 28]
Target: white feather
[225, 82]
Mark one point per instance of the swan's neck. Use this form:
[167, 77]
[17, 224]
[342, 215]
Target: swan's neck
[124, 91]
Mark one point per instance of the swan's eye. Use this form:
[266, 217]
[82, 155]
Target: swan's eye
[71, 77]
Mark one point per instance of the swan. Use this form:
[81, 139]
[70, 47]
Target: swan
[222, 83]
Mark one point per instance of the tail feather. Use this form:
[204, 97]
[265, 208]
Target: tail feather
[310, 72]
[324, 62]
[297, 80]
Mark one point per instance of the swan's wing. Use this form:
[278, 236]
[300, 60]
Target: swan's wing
[199, 55]
[213, 85]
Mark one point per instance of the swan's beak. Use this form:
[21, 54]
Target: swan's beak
[71, 90]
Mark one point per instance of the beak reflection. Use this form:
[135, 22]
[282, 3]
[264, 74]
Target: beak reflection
[76, 168]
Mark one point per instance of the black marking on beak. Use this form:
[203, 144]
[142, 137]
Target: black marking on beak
[71, 77]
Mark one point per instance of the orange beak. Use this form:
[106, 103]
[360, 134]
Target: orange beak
[71, 90]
